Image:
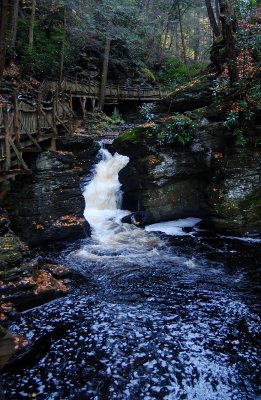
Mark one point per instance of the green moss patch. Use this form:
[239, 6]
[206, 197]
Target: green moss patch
[136, 134]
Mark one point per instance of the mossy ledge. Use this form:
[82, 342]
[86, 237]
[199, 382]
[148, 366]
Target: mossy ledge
[136, 134]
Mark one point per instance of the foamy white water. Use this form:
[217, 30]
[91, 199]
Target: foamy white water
[102, 210]
[174, 227]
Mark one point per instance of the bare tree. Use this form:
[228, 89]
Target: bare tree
[63, 45]
[104, 74]
[184, 51]
[3, 28]
[14, 22]
[212, 19]
[228, 27]
[31, 25]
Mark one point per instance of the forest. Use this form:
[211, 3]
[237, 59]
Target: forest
[149, 41]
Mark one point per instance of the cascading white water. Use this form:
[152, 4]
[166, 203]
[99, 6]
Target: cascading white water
[103, 192]
[103, 197]
[102, 210]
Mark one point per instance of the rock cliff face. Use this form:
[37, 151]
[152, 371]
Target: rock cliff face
[189, 97]
[235, 192]
[170, 182]
[48, 206]
[205, 178]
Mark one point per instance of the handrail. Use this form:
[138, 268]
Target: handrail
[112, 90]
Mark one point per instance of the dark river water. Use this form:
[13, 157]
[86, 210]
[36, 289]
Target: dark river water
[152, 317]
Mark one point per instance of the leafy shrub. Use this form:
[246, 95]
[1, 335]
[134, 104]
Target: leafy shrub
[231, 120]
[236, 122]
[147, 111]
[182, 129]
[117, 118]
[177, 73]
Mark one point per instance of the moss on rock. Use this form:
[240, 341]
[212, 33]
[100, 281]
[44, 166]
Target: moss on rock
[11, 251]
[139, 133]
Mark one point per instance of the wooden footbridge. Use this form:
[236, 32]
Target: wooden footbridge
[30, 125]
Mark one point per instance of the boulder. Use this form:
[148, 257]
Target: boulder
[234, 193]
[12, 251]
[209, 176]
[48, 206]
[167, 182]
[191, 96]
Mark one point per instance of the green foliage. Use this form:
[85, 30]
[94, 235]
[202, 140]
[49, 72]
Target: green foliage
[176, 73]
[43, 59]
[117, 118]
[147, 111]
[255, 93]
[235, 122]
[221, 87]
[240, 139]
[182, 129]
[231, 120]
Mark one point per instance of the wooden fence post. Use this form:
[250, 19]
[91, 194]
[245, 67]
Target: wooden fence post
[55, 104]
[7, 138]
[16, 117]
[39, 114]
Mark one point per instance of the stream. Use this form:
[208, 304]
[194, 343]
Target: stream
[168, 312]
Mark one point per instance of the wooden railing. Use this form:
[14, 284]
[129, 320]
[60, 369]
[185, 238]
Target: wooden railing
[114, 93]
[26, 122]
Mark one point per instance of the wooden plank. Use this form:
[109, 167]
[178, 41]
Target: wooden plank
[16, 116]
[33, 140]
[49, 123]
[64, 109]
[18, 154]
[39, 106]
[7, 136]
[63, 124]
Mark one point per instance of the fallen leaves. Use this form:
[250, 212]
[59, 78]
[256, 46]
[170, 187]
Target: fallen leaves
[46, 282]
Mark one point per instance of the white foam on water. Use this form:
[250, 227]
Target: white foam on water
[174, 228]
[243, 239]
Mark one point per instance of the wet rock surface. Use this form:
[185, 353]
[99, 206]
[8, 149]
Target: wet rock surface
[169, 182]
[190, 97]
[208, 177]
[235, 192]
[84, 149]
[48, 205]
[24, 283]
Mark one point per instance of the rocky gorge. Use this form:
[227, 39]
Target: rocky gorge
[208, 177]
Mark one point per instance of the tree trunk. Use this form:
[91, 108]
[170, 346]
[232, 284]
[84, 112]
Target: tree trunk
[212, 19]
[197, 38]
[63, 47]
[217, 16]
[3, 26]
[228, 24]
[183, 42]
[14, 23]
[104, 72]
[31, 26]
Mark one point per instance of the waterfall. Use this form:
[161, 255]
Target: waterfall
[103, 192]
[102, 210]
[103, 198]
